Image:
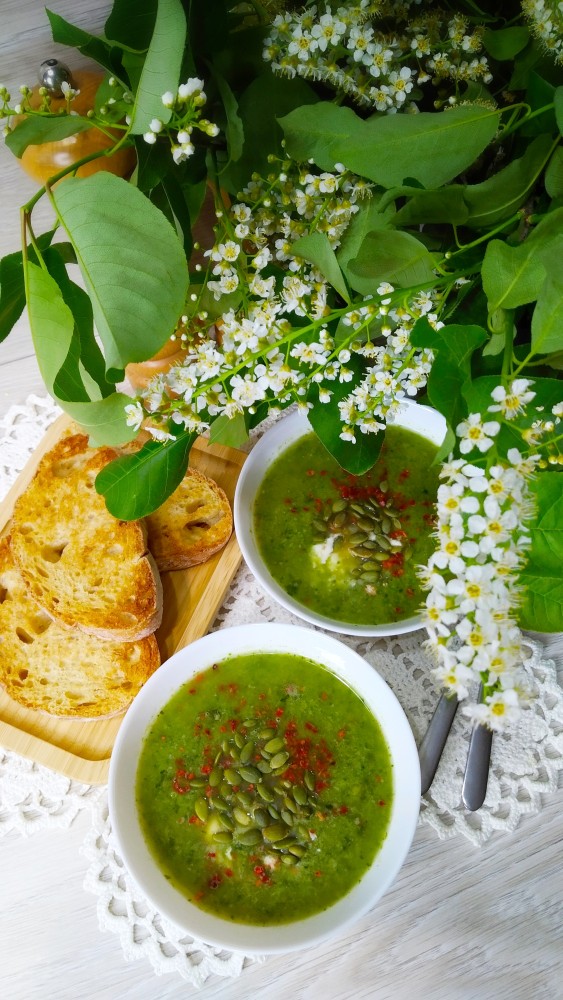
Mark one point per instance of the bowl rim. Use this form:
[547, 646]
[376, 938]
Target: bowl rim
[363, 678]
[270, 446]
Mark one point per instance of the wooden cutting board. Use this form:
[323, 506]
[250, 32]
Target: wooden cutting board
[81, 750]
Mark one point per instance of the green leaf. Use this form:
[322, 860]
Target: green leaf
[259, 107]
[135, 485]
[558, 103]
[542, 596]
[82, 374]
[51, 323]
[90, 45]
[105, 420]
[153, 163]
[390, 255]
[430, 147]
[161, 70]
[446, 205]
[553, 178]
[34, 130]
[133, 265]
[505, 43]
[512, 275]
[317, 250]
[12, 292]
[454, 346]
[355, 457]
[502, 195]
[131, 23]
[234, 129]
[367, 220]
[547, 318]
[230, 431]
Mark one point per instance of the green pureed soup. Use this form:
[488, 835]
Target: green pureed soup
[347, 546]
[264, 788]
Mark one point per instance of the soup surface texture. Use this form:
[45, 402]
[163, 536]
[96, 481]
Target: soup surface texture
[264, 788]
[347, 546]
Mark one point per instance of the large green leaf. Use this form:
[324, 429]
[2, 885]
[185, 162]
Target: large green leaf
[317, 250]
[542, 596]
[356, 457]
[105, 420]
[12, 292]
[95, 48]
[445, 205]
[131, 260]
[34, 130]
[259, 107]
[161, 69]
[454, 346]
[51, 323]
[512, 275]
[390, 255]
[431, 147]
[501, 195]
[131, 23]
[505, 43]
[553, 178]
[135, 485]
[547, 318]
[367, 220]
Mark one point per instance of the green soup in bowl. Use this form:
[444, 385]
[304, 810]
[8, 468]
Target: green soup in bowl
[338, 550]
[264, 788]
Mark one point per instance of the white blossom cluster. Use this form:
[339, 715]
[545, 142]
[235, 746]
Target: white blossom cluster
[278, 328]
[359, 50]
[185, 106]
[546, 21]
[472, 576]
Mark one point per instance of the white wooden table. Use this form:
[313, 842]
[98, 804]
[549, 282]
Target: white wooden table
[460, 923]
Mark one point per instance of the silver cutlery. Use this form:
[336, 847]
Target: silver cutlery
[475, 780]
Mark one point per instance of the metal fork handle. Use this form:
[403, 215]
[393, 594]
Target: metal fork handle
[434, 740]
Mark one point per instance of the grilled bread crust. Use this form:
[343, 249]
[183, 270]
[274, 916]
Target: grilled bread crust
[86, 568]
[193, 524]
[68, 674]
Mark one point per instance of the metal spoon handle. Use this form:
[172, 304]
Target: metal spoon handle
[434, 740]
[476, 775]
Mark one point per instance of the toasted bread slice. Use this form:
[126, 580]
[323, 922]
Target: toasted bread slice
[68, 674]
[192, 525]
[84, 566]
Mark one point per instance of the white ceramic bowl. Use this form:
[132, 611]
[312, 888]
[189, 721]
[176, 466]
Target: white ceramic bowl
[421, 419]
[158, 690]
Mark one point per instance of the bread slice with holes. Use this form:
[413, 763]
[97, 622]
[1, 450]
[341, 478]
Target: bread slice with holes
[88, 569]
[193, 524]
[72, 675]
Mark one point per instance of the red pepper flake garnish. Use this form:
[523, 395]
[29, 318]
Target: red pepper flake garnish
[214, 881]
[293, 510]
[324, 696]
[288, 501]
[258, 870]
[341, 734]
[279, 713]
[192, 691]
[229, 872]
[233, 725]
[398, 610]
[311, 727]
[310, 472]
[409, 592]
[318, 874]
[343, 810]
[199, 895]
[211, 854]
[404, 474]
[382, 802]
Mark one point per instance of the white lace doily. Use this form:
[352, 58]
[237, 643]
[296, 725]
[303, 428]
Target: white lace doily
[525, 762]
[142, 931]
